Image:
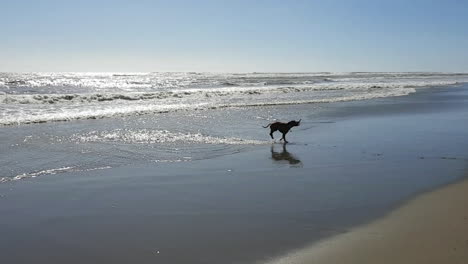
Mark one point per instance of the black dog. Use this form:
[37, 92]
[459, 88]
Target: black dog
[282, 127]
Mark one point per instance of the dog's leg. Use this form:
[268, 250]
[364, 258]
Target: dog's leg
[271, 134]
[284, 138]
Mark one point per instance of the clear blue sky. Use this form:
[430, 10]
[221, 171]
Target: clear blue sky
[240, 36]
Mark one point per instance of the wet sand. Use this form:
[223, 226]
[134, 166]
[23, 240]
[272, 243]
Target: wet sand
[347, 165]
[432, 228]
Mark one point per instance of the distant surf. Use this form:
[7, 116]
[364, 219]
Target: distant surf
[44, 97]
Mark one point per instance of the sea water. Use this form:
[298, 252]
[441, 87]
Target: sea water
[43, 97]
[115, 119]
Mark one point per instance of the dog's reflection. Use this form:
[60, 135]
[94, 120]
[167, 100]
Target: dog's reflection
[285, 155]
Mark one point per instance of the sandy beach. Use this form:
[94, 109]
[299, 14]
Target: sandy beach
[347, 189]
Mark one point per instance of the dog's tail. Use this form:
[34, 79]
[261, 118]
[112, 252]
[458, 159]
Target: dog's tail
[267, 125]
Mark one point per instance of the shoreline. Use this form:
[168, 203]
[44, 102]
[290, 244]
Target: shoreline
[431, 228]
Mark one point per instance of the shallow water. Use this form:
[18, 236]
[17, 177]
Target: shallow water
[52, 148]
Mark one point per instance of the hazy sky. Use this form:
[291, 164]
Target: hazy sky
[240, 36]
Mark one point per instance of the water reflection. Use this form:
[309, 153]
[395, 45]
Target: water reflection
[284, 155]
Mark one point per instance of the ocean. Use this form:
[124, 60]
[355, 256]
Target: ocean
[43, 97]
[115, 119]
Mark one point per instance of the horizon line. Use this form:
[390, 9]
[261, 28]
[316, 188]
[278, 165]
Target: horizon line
[240, 72]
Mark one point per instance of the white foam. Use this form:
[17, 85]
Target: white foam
[40, 114]
[149, 136]
[48, 172]
[36, 174]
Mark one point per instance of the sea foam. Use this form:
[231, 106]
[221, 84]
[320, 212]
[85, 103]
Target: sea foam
[150, 136]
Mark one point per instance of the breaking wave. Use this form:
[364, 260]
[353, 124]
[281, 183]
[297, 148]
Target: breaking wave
[38, 98]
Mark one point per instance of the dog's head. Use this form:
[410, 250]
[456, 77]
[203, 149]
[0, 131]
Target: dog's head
[294, 123]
